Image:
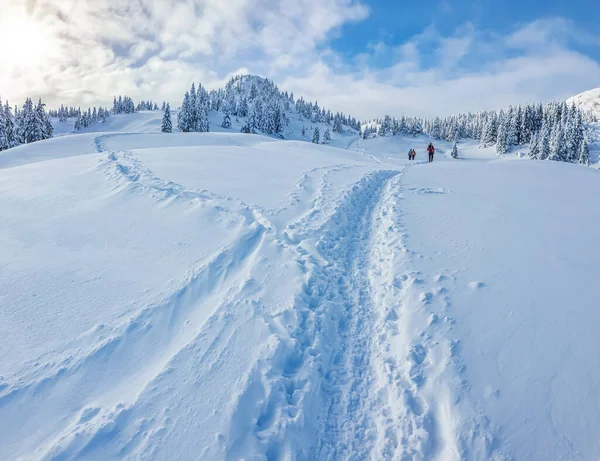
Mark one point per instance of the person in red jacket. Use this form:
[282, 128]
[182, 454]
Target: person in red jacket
[431, 151]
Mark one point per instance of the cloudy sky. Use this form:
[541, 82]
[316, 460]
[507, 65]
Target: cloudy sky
[365, 57]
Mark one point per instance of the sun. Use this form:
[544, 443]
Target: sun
[25, 41]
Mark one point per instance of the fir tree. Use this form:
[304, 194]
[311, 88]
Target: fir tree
[184, 116]
[558, 151]
[436, 130]
[167, 125]
[534, 147]
[454, 152]
[584, 153]
[544, 142]
[226, 122]
[3, 138]
[316, 136]
[9, 127]
[246, 128]
[502, 135]
[326, 136]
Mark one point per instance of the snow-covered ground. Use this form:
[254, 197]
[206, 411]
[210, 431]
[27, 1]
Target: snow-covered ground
[230, 296]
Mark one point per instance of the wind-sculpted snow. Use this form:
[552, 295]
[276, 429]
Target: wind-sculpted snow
[225, 296]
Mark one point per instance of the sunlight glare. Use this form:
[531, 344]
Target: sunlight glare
[31, 41]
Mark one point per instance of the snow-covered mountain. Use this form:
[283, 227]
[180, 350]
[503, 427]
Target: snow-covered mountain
[231, 296]
[588, 101]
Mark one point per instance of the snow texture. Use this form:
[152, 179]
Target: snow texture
[231, 296]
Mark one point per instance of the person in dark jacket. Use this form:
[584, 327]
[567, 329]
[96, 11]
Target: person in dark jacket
[431, 151]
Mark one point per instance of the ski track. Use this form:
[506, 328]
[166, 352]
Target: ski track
[361, 366]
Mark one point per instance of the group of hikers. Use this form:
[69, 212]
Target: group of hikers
[430, 150]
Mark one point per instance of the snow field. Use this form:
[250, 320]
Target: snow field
[229, 296]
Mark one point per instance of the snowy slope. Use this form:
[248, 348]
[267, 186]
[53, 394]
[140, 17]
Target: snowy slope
[588, 101]
[230, 296]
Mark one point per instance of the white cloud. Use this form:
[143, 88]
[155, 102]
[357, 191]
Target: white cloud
[84, 51]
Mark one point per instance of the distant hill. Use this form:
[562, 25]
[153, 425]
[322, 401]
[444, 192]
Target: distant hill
[588, 101]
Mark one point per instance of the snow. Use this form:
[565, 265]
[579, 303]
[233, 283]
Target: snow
[588, 101]
[231, 296]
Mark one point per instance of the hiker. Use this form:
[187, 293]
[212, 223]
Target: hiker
[411, 154]
[431, 151]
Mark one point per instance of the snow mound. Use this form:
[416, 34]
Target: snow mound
[588, 101]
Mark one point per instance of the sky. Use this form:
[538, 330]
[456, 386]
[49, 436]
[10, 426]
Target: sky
[364, 57]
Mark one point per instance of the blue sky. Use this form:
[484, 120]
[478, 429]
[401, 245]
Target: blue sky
[365, 57]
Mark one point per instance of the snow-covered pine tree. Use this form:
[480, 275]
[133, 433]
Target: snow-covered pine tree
[226, 122]
[246, 128]
[184, 116]
[167, 125]
[386, 126]
[3, 137]
[558, 151]
[365, 133]
[490, 131]
[416, 129]
[337, 124]
[544, 141]
[316, 137]
[326, 136]
[45, 128]
[253, 92]
[454, 152]
[193, 108]
[254, 116]
[502, 135]
[534, 146]
[436, 131]
[303, 131]
[584, 153]
[242, 107]
[9, 127]
[516, 125]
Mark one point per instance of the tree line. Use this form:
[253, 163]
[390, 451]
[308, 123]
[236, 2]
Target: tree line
[29, 124]
[554, 131]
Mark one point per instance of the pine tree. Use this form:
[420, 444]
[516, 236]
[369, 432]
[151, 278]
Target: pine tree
[584, 153]
[184, 116]
[366, 133]
[337, 124]
[44, 127]
[385, 126]
[490, 131]
[303, 132]
[557, 144]
[9, 127]
[242, 107]
[326, 136]
[544, 141]
[316, 136]
[193, 109]
[436, 131]
[454, 152]
[3, 138]
[534, 147]
[226, 122]
[516, 125]
[167, 125]
[246, 128]
[502, 135]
